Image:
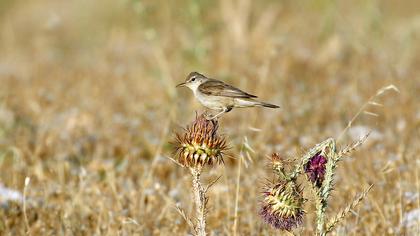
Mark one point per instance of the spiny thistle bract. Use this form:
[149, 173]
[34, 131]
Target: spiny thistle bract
[200, 144]
[315, 169]
[282, 206]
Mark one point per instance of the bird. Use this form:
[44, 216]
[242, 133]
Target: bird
[220, 96]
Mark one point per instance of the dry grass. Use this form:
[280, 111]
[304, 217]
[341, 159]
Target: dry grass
[88, 106]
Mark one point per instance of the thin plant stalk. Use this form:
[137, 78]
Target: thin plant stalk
[370, 101]
[235, 221]
[200, 199]
[25, 216]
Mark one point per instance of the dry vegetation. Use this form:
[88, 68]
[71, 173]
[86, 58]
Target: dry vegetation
[88, 107]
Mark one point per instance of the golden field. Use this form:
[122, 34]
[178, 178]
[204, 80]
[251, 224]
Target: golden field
[88, 111]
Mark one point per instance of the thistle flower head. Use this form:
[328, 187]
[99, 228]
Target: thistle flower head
[278, 165]
[315, 169]
[276, 162]
[282, 206]
[200, 144]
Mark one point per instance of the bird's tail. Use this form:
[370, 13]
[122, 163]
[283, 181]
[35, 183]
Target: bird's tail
[252, 102]
[264, 104]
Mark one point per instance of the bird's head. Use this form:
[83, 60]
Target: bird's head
[193, 80]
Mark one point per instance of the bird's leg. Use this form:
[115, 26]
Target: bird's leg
[217, 115]
[207, 114]
[220, 113]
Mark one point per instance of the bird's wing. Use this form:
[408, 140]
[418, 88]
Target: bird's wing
[218, 88]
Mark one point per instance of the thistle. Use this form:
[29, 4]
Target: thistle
[315, 169]
[282, 206]
[278, 165]
[198, 146]
[319, 165]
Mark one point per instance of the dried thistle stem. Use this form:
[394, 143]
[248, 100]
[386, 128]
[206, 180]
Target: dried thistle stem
[200, 201]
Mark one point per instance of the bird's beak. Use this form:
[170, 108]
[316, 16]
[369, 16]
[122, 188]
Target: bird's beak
[181, 85]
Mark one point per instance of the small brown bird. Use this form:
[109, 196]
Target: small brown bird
[217, 95]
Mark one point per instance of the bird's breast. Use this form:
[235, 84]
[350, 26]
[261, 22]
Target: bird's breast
[214, 102]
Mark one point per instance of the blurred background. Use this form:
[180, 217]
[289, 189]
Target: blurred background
[88, 108]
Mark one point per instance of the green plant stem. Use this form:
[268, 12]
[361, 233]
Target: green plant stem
[320, 216]
[324, 193]
[328, 150]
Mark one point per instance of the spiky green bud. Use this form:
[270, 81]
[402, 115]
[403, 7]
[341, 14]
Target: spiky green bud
[282, 206]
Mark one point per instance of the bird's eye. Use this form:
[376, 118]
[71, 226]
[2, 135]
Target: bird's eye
[193, 79]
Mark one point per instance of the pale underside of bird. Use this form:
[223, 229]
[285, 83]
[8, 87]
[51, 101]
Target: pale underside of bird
[219, 96]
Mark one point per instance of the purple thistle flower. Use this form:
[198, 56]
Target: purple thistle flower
[315, 169]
